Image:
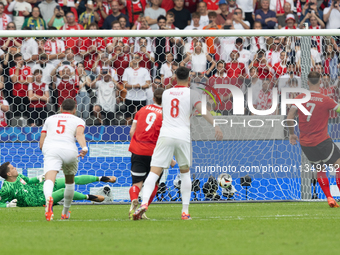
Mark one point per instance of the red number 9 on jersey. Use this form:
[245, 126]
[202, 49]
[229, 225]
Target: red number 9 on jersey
[174, 108]
[62, 126]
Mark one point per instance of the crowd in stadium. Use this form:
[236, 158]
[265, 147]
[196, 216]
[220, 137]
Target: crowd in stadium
[111, 78]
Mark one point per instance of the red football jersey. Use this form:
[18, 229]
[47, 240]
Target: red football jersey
[20, 89]
[234, 70]
[90, 59]
[135, 9]
[279, 70]
[149, 123]
[314, 127]
[212, 5]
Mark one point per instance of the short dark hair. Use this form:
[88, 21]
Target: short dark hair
[161, 17]
[17, 55]
[4, 169]
[94, 24]
[257, 22]
[212, 14]
[182, 73]
[314, 77]
[37, 71]
[220, 62]
[68, 105]
[157, 94]
[195, 15]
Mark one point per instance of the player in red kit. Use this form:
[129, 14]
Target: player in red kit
[314, 139]
[144, 134]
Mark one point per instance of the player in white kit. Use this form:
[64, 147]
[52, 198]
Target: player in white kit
[58, 144]
[174, 139]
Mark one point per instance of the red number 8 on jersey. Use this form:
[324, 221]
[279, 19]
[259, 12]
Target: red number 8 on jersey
[174, 108]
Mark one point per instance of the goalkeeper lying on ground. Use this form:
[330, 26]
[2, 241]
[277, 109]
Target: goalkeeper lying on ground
[22, 191]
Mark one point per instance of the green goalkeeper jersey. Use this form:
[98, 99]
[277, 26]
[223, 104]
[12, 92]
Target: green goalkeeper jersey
[27, 191]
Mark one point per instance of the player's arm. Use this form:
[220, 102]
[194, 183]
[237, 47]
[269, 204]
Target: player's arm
[80, 136]
[133, 128]
[208, 117]
[42, 139]
[290, 121]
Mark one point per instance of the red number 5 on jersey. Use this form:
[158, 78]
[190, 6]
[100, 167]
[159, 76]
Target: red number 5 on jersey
[62, 126]
[174, 108]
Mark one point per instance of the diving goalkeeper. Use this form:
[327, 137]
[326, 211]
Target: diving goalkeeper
[22, 191]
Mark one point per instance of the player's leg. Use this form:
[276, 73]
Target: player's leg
[85, 179]
[183, 157]
[68, 195]
[161, 158]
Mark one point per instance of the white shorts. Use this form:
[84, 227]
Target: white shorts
[60, 159]
[166, 148]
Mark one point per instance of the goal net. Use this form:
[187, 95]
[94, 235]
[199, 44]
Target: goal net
[96, 68]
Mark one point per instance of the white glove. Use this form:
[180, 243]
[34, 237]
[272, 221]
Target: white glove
[13, 203]
[41, 178]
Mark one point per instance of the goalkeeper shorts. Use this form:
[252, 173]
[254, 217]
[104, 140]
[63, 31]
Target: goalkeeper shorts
[168, 147]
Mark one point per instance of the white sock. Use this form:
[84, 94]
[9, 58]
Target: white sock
[149, 186]
[68, 196]
[48, 188]
[186, 191]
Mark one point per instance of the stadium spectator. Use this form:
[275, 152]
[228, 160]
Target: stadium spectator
[47, 9]
[203, 11]
[21, 76]
[151, 14]
[157, 83]
[141, 24]
[331, 62]
[102, 11]
[147, 57]
[136, 80]
[280, 68]
[195, 25]
[83, 98]
[265, 16]
[55, 49]
[46, 68]
[121, 59]
[103, 62]
[199, 61]
[4, 108]
[134, 9]
[9, 42]
[73, 42]
[211, 41]
[4, 18]
[107, 93]
[278, 6]
[58, 19]
[281, 19]
[35, 22]
[264, 100]
[29, 50]
[166, 69]
[182, 15]
[331, 15]
[115, 15]
[89, 16]
[38, 94]
[234, 68]
[273, 54]
[318, 68]
[257, 42]
[327, 89]
[123, 21]
[247, 6]
[238, 21]
[189, 46]
[315, 55]
[224, 15]
[261, 63]
[311, 8]
[172, 80]
[245, 54]
[283, 81]
[255, 82]
[21, 10]
[91, 48]
[66, 85]
[69, 57]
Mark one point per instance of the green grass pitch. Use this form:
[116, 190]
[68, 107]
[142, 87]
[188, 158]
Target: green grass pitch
[228, 228]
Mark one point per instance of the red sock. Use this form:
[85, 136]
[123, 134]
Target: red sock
[324, 183]
[134, 192]
[154, 192]
[337, 177]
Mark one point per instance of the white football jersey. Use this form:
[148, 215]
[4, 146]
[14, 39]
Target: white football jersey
[178, 104]
[61, 130]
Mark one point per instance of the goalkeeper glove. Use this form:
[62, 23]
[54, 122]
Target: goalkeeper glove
[13, 203]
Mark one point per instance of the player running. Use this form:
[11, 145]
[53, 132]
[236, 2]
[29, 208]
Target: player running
[314, 139]
[144, 133]
[58, 145]
[28, 192]
[174, 139]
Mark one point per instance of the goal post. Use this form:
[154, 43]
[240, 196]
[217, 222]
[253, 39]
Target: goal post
[255, 149]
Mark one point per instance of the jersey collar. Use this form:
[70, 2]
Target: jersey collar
[180, 86]
[65, 113]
